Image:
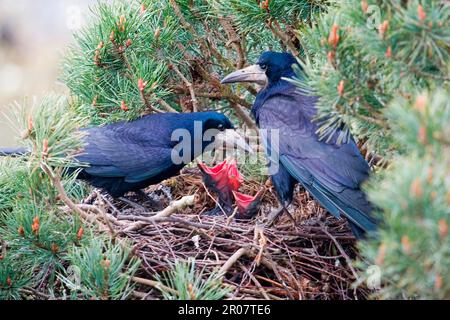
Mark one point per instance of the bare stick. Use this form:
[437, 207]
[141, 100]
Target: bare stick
[189, 85]
[342, 251]
[154, 284]
[171, 209]
[166, 106]
[233, 259]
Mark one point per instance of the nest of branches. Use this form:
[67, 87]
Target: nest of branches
[310, 259]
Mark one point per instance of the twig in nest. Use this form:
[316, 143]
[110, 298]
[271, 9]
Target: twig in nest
[154, 284]
[233, 259]
[105, 218]
[169, 210]
[256, 282]
[342, 251]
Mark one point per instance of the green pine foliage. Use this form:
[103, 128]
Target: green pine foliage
[377, 67]
[380, 68]
[100, 270]
[38, 239]
[184, 282]
[138, 57]
[413, 248]
[365, 53]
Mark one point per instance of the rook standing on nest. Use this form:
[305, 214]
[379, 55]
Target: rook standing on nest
[331, 172]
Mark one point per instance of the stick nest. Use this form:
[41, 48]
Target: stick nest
[308, 260]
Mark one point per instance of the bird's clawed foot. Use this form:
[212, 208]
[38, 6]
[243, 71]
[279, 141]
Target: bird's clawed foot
[217, 211]
[150, 202]
[133, 204]
[154, 204]
[275, 214]
[221, 209]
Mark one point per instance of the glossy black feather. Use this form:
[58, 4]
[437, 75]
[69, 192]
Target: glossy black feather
[331, 172]
[128, 156]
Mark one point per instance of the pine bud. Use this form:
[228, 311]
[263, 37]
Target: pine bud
[191, 292]
[389, 52]
[80, 233]
[421, 103]
[1, 257]
[111, 37]
[364, 6]
[35, 225]
[430, 175]
[443, 228]
[433, 195]
[438, 282]
[448, 197]
[331, 56]
[340, 88]
[100, 45]
[143, 8]
[265, 5]
[141, 84]
[416, 189]
[30, 123]
[44, 148]
[123, 106]
[105, 263]
[27, 132]
[121, 23]
[54, 247]
[9, 281]
[157, 33]
[383, 28]
[94, 101]
[21, 231]
[422, 135]
[421, 13]
[333, 38]
[381, 254]
[128, 43]
[406, 244]
[97, 58]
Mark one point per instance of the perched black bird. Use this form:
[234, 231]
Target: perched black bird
[129, 156]
[331, 172]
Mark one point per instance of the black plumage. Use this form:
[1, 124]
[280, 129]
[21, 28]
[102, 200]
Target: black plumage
[332, 172]
[129, 156]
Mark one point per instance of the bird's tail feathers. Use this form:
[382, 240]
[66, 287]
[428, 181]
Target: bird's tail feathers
[13, 152]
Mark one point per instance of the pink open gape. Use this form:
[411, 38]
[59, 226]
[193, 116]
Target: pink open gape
[226, 179]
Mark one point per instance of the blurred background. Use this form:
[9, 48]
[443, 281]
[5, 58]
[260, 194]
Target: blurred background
[33, 37]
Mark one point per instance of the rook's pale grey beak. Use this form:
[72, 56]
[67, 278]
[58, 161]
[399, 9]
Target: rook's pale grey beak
[231, 139]
[253, 73]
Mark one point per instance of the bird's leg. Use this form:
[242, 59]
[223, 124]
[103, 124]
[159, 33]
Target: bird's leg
[275, 214]
[132, 203]
[154, 204]
[217, 211]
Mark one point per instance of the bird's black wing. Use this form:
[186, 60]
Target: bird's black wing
[331, 173]
[125, 153]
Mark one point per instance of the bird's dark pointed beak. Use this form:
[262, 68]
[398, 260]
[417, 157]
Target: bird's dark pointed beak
[253, 73]
[230, 138]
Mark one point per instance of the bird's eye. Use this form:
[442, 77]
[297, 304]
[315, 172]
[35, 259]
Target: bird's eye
[263, 66]
[220, 127]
